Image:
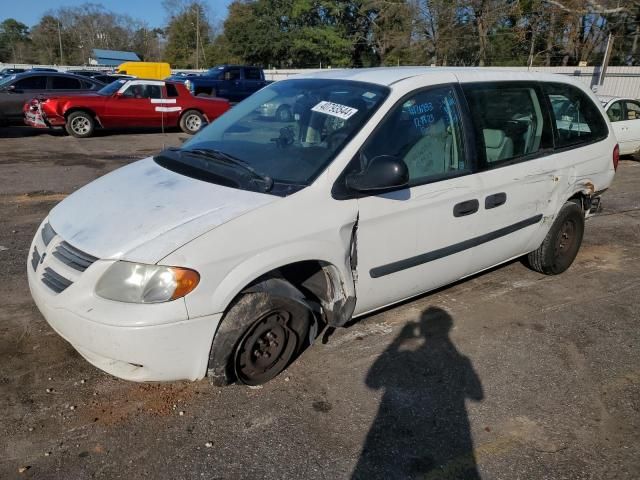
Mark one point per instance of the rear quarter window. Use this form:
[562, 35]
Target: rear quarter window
[578, 120]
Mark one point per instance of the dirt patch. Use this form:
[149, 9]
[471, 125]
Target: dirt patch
[158, 400]
[607, 257]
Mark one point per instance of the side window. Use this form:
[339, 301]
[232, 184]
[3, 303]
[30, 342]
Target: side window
[172, 91]
[633, 111]
[252, 74]
[425, 131]
[232, 74]
[509, 120]
[65, 83]
[578, 120]
[143, 91]
[32, 83]
[615, 112]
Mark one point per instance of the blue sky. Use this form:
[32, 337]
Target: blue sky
[151, 11]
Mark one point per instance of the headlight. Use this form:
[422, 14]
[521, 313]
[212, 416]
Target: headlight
[188, 84]
[138, 283]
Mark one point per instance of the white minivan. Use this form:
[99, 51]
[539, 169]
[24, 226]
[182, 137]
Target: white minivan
[226, 257]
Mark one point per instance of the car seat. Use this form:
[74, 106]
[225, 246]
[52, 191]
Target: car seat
[498, 146]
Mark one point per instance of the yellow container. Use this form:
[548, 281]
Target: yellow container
[152, 70]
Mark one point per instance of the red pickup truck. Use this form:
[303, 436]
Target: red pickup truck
[125, 103]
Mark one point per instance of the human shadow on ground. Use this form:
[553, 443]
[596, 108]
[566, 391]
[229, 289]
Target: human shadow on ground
[422, 427]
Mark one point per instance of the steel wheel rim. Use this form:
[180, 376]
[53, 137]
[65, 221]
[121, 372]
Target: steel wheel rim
[193, 122]
[266, 349]
[566, 238]
[80, 125]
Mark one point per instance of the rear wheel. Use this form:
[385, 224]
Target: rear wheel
[258, 338]
[80, 124]
[560, 246]
[191, 121]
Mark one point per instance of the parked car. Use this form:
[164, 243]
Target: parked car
[233, 82]
[125, 103]
[86, 73]
[15, 90]
[280, 109]
[111, 77]
[624, 114]
[5, 72]
[227, 256]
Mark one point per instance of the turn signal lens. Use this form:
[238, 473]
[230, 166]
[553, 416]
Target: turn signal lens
[186, 280]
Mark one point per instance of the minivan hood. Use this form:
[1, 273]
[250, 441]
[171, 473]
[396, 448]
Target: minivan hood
[142, 212]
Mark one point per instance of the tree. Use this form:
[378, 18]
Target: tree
[187, 35]
[14, 41]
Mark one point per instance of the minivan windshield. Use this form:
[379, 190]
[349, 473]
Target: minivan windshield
[289, 131]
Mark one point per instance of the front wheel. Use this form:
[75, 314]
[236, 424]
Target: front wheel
[191, 122]
[560, 246]
[80, 124]
[258, 338]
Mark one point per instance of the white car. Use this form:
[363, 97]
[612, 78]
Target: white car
[227, 256]
[624, 114]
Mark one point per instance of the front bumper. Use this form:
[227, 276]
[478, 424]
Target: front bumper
[153, 342]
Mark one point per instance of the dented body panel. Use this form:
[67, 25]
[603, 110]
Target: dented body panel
[370, 250]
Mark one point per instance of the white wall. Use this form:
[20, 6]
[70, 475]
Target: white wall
[619, 81]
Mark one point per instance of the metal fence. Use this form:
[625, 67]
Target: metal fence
[617, 81]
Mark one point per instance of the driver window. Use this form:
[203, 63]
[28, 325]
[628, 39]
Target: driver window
[633, 111]
[425, 131]
[615, 112]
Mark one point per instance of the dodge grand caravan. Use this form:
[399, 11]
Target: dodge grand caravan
[225, 257]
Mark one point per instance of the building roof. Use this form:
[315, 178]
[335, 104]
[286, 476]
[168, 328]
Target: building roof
[113, 57]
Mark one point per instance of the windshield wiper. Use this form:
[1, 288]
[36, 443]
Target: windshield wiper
[231, 160]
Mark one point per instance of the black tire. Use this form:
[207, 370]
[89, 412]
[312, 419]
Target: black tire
[192, 121]
[283, 114]
[258, 338]
[80, 124]
[561, 245]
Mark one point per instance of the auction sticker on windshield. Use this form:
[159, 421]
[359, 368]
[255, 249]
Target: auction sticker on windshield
[335, 110]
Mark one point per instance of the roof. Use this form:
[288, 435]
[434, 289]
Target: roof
[113, 57]
[389, 75]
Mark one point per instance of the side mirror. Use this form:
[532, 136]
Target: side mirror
[384, 172]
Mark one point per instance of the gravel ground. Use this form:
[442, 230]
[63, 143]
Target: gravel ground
[508, 375]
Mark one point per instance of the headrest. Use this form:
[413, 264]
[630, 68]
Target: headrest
[493, 138]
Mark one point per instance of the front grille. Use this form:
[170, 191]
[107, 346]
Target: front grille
[73, 257]
[35, 258]
[55, 281]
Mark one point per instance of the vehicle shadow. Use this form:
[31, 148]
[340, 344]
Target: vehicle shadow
[422, 427]
[20, 131]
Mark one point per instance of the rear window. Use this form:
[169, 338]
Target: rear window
[509, 120]
[172, 91]
[65, 83]
[578, 119]
[252, 73]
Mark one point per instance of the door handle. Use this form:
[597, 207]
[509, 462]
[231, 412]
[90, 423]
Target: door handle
[466, 208]
[495, 200]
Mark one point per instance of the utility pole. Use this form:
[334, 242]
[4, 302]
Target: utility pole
[605, 61]
[197, 34]
[60, 43]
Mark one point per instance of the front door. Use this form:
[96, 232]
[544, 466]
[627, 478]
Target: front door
[135, 106]
[413, 240]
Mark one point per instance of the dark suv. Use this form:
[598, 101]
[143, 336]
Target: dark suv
[15, 90]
